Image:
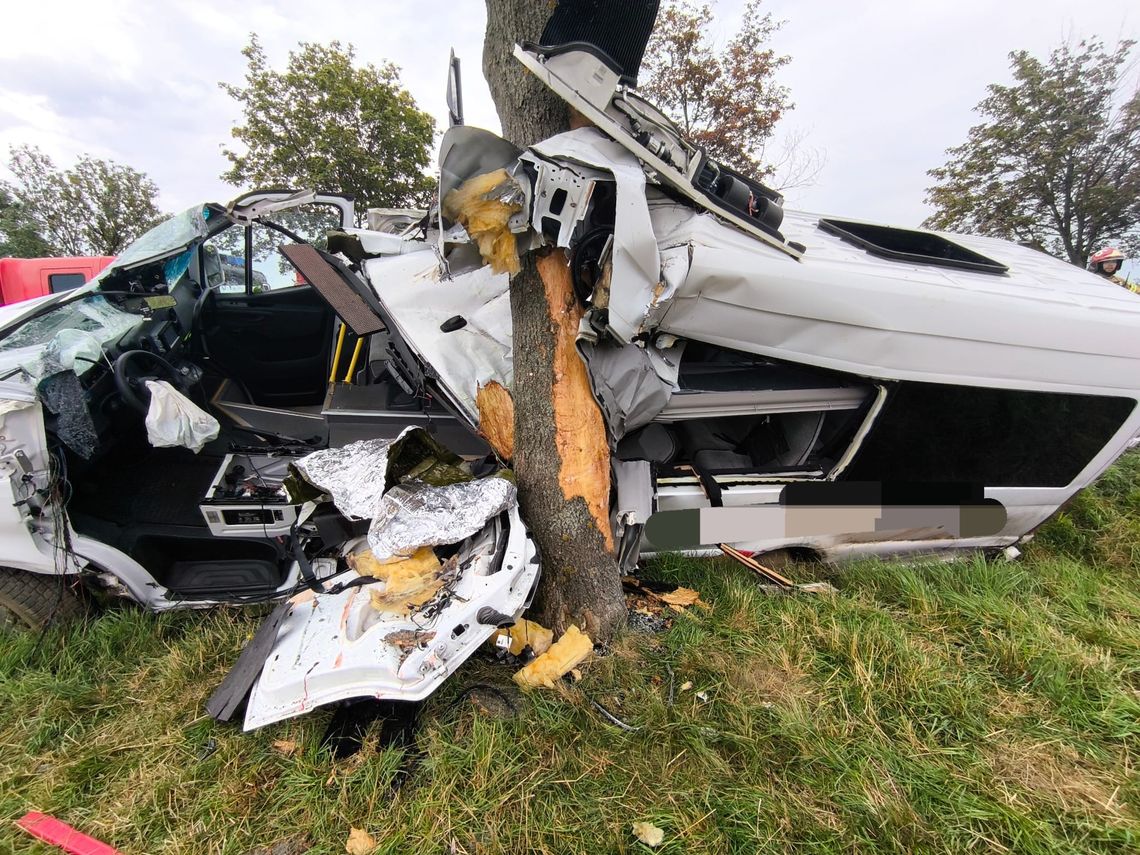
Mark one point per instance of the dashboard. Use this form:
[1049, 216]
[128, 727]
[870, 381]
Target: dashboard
[153, 320]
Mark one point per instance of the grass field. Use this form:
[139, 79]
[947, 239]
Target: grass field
[975, 706]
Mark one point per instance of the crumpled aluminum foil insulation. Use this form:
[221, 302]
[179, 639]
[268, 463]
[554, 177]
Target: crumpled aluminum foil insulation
[414, 515]
[353, 475]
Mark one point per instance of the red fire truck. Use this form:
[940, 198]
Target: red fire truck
[24, 278]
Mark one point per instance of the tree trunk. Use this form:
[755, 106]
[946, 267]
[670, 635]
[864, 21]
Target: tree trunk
[561, 455]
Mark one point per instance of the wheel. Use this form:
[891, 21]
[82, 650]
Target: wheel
[33, 601]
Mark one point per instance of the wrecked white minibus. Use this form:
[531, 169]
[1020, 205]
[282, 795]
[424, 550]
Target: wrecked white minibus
[311, 437]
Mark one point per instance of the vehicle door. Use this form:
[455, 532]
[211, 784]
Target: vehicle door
[260, 323]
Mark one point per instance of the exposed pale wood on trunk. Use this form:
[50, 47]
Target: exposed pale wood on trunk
[579, 430]
[497, 418]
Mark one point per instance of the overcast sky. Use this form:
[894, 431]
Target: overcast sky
[883, 87]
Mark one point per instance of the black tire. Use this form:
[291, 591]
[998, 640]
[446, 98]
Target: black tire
[34, 601]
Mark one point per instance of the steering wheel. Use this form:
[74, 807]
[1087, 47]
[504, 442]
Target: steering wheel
[130, 379]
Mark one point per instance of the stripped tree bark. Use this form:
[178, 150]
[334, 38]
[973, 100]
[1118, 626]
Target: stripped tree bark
[561, 455]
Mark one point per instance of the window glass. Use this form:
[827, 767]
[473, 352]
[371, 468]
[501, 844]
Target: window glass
[58, 282]
[226, 251]
[929, 432]
[311, 223]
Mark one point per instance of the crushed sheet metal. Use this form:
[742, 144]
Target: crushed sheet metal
[419, 301]
[900, 322]
[412, 515]
[334, 645]
[354, 475]
[637, 267]
[466, 151]
[576, 184]
[634, 481]
[632, 384]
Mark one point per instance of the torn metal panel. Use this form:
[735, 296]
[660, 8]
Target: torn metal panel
[634, 505]
[375, 243]
[420, 301]
[561, 197]
[252, 206]
[580, 79]
[636, 264]
[466, 152]
[335, 646]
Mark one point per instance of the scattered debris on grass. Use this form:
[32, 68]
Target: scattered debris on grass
[51, 830]
[682, 598]
[613, 719]
[208, 749]
[777, 583]
[288, 846]
[525, 633]
[359, 842]
[649, 834]
[688, 684]
[499, 702]
[651, 605]
[564, 655]
[288, 747]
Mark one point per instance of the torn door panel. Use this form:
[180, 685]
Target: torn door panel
[336, 646]
[470, 352]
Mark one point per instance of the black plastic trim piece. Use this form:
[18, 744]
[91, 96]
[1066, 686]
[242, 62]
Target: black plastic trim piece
[911, 245]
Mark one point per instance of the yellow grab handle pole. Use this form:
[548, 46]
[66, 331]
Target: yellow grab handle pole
[355, 356]
[336, 353]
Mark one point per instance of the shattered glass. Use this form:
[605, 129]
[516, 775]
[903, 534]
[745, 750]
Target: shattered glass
[178, 232]
[92, 314]
[414, 515]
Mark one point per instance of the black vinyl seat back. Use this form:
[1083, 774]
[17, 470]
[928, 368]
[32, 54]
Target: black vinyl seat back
[618, 29]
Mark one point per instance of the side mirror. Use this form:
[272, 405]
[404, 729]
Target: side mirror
[454, 92]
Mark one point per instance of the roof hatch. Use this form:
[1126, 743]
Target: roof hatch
[911, 245]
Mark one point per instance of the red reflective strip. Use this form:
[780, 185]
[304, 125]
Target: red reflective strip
[51, 830]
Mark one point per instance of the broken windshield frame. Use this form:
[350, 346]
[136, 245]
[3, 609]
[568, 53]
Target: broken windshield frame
[166, 239]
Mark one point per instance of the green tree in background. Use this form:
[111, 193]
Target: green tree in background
[1056, 159]
[95, 208]
[325, 124]
[18, 234]
[725, 99]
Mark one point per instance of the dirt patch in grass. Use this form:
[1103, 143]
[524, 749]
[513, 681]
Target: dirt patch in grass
[1058, 775]
[760, 679]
